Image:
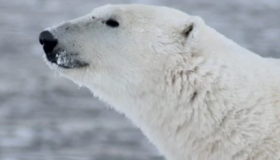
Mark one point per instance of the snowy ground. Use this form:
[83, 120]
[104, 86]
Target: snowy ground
[46, 117]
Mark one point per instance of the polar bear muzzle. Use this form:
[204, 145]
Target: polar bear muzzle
[56, 55]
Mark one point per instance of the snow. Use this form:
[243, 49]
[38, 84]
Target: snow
[62, 58]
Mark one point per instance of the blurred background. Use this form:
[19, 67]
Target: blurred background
[46, 117]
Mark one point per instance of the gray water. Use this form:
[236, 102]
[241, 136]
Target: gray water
[46, 117]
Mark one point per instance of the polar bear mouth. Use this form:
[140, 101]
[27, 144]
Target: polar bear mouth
[68, 60]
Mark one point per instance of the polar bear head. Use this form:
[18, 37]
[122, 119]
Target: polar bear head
[122, 50]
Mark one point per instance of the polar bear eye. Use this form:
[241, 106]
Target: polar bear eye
[112, 23]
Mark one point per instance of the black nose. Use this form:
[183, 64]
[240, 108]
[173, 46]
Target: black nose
[47, 39]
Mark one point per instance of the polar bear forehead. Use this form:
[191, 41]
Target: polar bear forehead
[139, 10]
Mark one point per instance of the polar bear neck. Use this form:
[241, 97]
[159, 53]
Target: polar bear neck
[190, 110]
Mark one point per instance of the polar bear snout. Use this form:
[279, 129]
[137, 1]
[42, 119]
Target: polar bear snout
[58, 54]
[49, 42]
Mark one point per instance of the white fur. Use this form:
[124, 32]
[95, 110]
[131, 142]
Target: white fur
[196, 97]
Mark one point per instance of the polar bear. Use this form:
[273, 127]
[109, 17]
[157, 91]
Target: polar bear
[194, 93]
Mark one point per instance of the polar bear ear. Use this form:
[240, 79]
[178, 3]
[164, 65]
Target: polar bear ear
[188, 29]
[191, 27]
